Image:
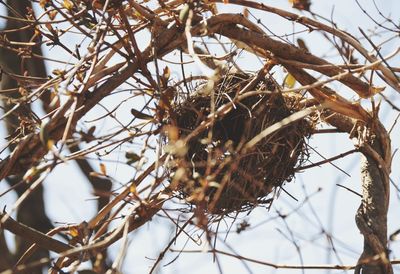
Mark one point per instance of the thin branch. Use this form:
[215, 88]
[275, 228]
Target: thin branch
[33, 236]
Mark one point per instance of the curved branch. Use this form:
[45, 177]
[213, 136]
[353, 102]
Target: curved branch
[388, 76]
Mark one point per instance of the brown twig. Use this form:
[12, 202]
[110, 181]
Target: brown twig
[32, 235]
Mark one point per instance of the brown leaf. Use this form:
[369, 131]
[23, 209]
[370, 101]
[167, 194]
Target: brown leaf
[246, 12]
[103, 169]
[301, 4]
[68, 5]
[140, 115]
[43, 3]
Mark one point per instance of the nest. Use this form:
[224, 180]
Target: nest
[216, 172]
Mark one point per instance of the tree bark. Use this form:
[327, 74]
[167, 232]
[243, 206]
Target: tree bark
[371, 217]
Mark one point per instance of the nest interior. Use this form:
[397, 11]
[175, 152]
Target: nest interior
[218, 173]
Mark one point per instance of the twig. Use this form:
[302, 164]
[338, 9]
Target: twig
[32, 235]
[342, 155]
[278, 266]
[352, 191]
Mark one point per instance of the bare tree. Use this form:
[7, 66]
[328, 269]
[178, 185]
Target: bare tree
[206, 135]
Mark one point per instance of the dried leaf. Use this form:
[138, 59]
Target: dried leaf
[131, 157]
[138, 15]
[37, 31]
[59, 72]
[103, 169]
[96, 174]
[166, 73]
[246, 12]
[79, 76]
[91, 130]
[43, 3]
[375, 90]
[301, 4]
[132, 188]
[302, 44]
[290, 81]
[140, 115]
[68, 5]
[73, 231]
[172, 132]
[53, 14]
[49, 27]
[50, 144]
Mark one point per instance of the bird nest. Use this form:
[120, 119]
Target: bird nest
[217, 171]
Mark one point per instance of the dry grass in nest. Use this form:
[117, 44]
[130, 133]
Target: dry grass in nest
[215, 172]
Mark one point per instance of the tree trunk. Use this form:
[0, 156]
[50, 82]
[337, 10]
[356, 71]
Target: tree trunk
[31, 212]
[371, 216]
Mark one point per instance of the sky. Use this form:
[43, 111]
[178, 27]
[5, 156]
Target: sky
[323, 208]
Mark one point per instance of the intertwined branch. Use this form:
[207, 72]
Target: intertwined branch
[117, 57]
